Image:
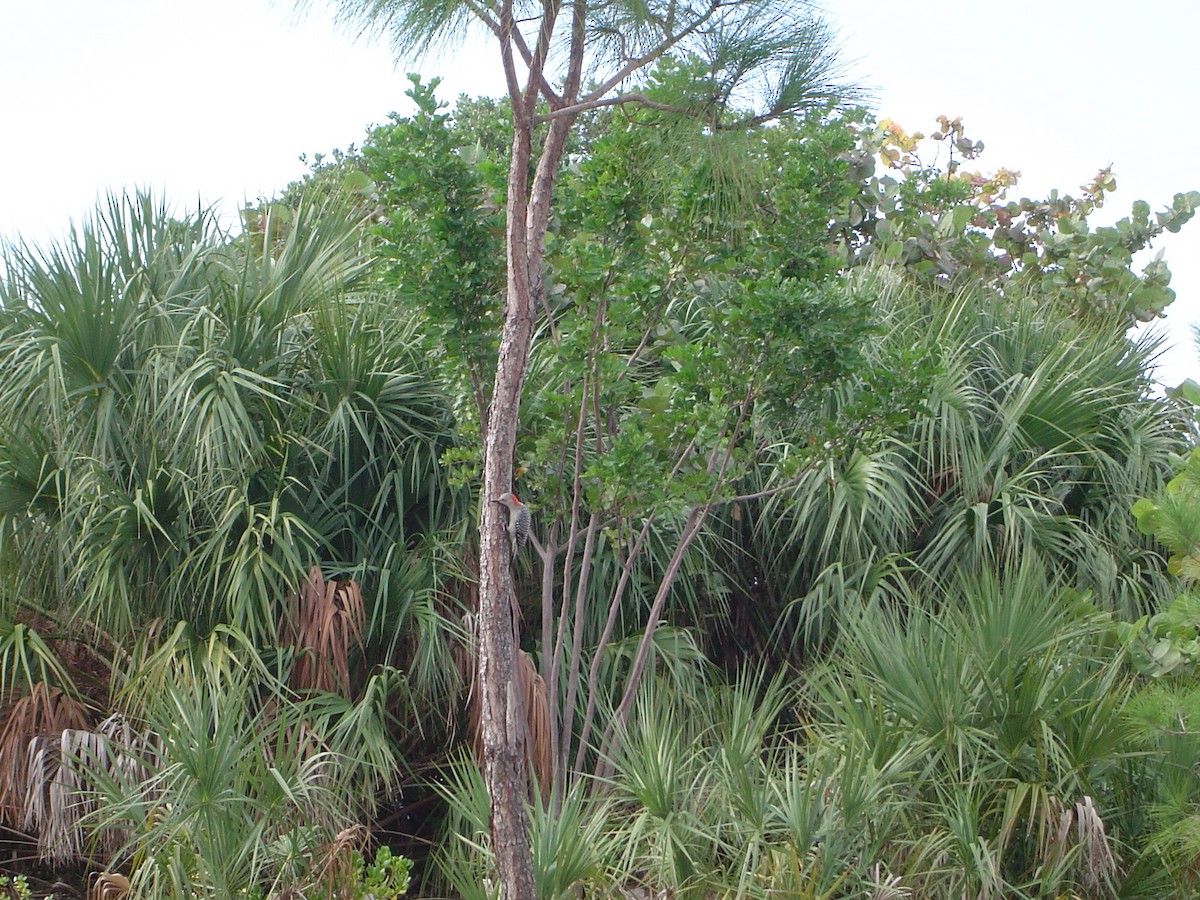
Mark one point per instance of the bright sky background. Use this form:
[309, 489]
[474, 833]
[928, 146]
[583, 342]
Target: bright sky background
[212, 102]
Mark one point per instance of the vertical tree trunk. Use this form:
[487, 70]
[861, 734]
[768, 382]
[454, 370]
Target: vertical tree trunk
[502, 720]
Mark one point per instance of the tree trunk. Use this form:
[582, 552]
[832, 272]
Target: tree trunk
[503, 719]
[527, 217]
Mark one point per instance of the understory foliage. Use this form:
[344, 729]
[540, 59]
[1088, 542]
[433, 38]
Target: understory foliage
[836, 590]
[218, 464]
[973, 742]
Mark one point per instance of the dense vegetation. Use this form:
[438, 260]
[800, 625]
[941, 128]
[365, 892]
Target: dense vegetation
[851, 491]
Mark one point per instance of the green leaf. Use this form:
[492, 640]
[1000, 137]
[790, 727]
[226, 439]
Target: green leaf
[357, 182]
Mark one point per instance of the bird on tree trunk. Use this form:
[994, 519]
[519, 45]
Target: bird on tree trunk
[519, 521]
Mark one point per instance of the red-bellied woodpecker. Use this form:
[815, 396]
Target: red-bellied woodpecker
[519, 521]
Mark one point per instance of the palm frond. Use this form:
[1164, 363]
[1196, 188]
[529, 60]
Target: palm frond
[29, 795]
[323, 620]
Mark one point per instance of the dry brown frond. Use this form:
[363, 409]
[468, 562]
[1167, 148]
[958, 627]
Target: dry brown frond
[61, 790]
[1099, 865]
[531, 689]
[323, 619]
[886, 886]
[1096, 864]
[44, 710]
[109, 886]
[336, 865]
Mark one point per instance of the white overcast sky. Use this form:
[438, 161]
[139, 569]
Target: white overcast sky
[212, 102]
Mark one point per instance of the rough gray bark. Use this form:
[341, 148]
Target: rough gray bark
[502, 719]
[503, 735]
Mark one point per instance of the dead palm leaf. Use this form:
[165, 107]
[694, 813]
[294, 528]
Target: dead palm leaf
[1097, 866]
[532, 691]
[45, 710]
[62, 793]
[337, 858]
[531, 688]
[109, 886]
[324, 619]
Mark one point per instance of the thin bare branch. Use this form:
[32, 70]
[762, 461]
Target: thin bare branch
[575, 55]
[573, 536]
[485, 16]
[537, 63]
[657, 52]
[549, 666]
[614, 608]
[610, 741]
[568, 566]
[767, 492]
[589, 545]
[575, 109]
[507, 30]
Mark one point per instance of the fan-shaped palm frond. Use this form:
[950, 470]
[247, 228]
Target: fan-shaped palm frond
[1031, 437]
